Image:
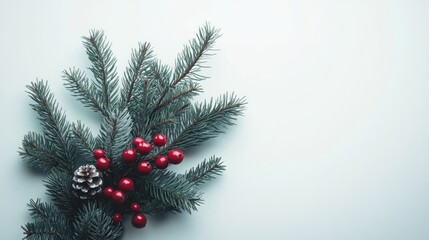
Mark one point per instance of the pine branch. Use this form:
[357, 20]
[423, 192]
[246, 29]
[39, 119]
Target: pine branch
[161, 73]
[167, 119]
[39, 230]
[103, 67]
[205, 171]
[173, 190]
[94, 222]
[37, 152]
[182, 93]
[176, 101]
[54, 123]
[58, 187]
[84, 90]
[145, 96]
[190, 62]
[205, 121]
[138, 66]
[50, 224]
[115, 135]
[45, 212]
[155, 206]
[84, 140]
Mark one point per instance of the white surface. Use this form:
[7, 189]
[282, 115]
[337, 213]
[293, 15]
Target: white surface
[334, 144]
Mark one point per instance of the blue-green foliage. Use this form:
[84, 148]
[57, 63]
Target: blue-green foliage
[150, 98]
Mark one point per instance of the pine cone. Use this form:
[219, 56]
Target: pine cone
[87, 182]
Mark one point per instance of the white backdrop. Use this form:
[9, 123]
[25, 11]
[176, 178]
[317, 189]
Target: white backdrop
[334, 142]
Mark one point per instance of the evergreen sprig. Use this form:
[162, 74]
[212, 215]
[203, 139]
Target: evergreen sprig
[205, 120]
[173, 190]
[84, 140]
[205, 171]
[80, 87]
[58, 187]
[56, 128]
[103, 67]
[139, 66]
[94, 222]
[37, 151]
[115, 134]
[50, 224]
[191, 60]
[150, 98]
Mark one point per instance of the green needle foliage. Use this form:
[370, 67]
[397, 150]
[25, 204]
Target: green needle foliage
[150, 98]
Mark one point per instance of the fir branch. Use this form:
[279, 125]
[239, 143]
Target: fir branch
[139, 64]
[205, 171]
[37, 152]
[39, 230]
[83, 90]
[190, 62]
[173, 190]
[144, 100]
[182, 93]
[167, 112]
[115, 135]
[58, 187]
[94, 222]
[54, 123]
[155, 206]
[84, 140]
[103, 67]
[205, 121]
[161, 73]
[44, 211]
[50, 224]
[147, 98]
[167, 118]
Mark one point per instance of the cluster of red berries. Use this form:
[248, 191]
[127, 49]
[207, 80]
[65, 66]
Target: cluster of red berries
[129, 155]
[144, 167]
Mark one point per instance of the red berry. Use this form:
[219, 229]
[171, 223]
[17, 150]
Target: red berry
[159, 140]
[118, 196]
[175, 156]
[117, 217]
[108, 191]
[137, 140]
[144, 167]
[129, 155]
[98, 153]
[102, 164]
[144, 148]
[161, 162]
[139, 220]
[135, 207]
[126, 184]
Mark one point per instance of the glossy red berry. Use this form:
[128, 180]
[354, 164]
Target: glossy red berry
[135, 207]
[108, 191]
[129, 155]
[137, 140]
[175, 156]
[117, 217]
[126, 184]
[144, 167]
[159, 140]
[102, 164]
[161, 162]
[118, 196]
[139, 220]
[98, 153]
[144, 148]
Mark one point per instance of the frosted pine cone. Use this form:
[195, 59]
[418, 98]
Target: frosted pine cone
[87, 181]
